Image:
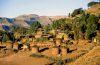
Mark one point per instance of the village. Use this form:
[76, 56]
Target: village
[57, 43]
[45, 32]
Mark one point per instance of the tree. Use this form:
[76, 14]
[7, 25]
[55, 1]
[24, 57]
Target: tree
[76, 28]
[1, 33]
[34, 26]
[67, 28]
[91, 26]
[82, 25]
[47, 28]
[77, 11]
[55, 25]
[59, 24]
[18, 31]
[92, 3]
[5, 37]
[1, 20]
[69, 15]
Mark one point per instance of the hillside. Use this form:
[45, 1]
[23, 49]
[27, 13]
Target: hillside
[91, 58]
[26, 20]
[95, 9]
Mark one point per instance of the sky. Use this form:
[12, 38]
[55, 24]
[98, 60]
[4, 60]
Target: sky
[14, 8]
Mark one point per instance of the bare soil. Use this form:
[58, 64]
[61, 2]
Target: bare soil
[22, 58]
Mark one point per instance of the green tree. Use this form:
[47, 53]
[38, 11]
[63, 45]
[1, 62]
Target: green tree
[77, 11]
[59, 24]
[69, 15]
[82, 25]
[18, 31]
[5, 37]
[1, 20]
[47, 28]
[91, 26]
[34, 26]
[55, 25]
[68, 25]
[92, 3]
[76, 28]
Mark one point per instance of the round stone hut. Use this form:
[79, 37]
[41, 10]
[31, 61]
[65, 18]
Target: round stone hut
[55, 51]
[63, 51]
[9, 45]
[58, 42]
[15, 46]
[35, 49]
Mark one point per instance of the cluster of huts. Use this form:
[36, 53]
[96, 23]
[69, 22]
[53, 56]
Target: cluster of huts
[56, 39]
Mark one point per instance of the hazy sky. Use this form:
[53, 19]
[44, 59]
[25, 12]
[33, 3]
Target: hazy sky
[14, 8]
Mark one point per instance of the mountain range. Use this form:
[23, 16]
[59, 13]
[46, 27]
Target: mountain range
[26, 20]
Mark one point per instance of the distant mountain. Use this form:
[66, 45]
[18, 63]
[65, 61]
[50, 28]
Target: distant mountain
[49, 19]
[26, 20]
[6, 23]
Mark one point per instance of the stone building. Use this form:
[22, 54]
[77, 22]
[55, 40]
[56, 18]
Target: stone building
[58, 42]
[55, 51]
[63, 51]
[15, 46]
[35, 49]
[9, 45]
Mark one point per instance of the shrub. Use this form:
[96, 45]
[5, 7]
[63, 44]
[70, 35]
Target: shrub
[42, 39]
[37, 55]
[59, 61]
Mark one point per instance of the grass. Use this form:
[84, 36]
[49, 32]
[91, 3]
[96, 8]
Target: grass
[75, 58]
[91, 58]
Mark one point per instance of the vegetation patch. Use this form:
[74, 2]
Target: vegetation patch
[37, 55]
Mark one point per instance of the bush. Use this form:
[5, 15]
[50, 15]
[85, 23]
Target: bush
[42, 39]
[37, 55]
[59, 61]
[70, 43]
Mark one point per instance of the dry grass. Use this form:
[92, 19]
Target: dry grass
[22, 58]
[91, 58]
[95, 9]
